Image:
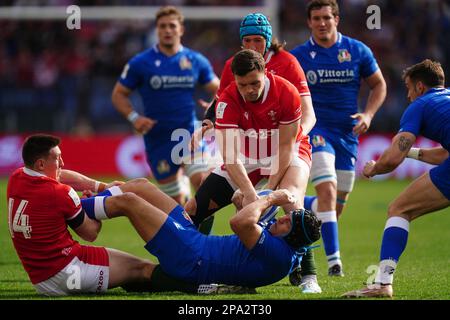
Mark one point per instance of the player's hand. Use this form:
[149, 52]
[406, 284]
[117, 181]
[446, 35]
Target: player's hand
[237, 199]
[369, 169]
[114, 183]
[282, 197]
[363, 124]
[198, 134]
[87, 194]
[249, 198]
[143, 124]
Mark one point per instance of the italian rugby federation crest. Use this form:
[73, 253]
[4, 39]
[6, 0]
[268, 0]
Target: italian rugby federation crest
[185, 64]
[344, 56]
[163, 167]
[318, 141]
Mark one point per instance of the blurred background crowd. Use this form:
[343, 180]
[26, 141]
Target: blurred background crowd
[54, 79]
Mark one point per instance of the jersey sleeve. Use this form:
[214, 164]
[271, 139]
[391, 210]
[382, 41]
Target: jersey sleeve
[130, 76]
[294, 74]
[369, 64]
[227, 113]
[226, 78]
[411, 120]
[68, 201]
[206, 73]
[290, 105]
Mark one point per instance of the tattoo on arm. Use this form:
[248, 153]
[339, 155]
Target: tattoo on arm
[404, 144]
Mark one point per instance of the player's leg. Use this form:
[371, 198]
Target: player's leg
[149, 192]
[428, 193]
[324, 179]
[214, 193]
[296, 180]
[166, 167]
[197, 170]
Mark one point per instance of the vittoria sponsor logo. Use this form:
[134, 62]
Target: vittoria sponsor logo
[171, 82]
[330, 76]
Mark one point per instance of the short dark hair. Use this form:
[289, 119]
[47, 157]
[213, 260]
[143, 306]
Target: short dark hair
[169, 10]
[246, 61]
[38, 146]
[318, 4]
[429, 72]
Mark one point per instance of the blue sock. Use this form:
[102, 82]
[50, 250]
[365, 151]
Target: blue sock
[95, 207]
[308, 202]
[330, 236]
[395, 238]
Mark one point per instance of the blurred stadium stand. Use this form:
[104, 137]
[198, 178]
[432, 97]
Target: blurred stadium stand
[54, 79]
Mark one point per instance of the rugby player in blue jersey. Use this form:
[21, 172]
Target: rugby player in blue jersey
[334, 66]
[166, 76]
[427, 115]
[257, 254]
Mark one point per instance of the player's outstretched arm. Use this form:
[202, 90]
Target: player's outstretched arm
[88, 229]
[80, 182]
[392, 157]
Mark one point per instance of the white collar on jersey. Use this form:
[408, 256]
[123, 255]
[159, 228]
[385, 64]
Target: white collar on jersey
[32, 172]
[155, 47]
[270, 54]
[339, 39]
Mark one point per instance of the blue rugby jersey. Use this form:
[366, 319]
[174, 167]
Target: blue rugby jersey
[226, 260]
[167, 84]
[334, 76]
[429, 116]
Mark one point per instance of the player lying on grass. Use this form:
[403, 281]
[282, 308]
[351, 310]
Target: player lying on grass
[255, 255]
[429, 115]
[42, 203]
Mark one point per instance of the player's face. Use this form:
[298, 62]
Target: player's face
[254, 42]
[251, 86]
[282, 226]
[414, 89]
[169, 31]
[52, 165]
[323, 24]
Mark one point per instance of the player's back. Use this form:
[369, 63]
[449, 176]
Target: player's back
[334, 75]
[37, 224]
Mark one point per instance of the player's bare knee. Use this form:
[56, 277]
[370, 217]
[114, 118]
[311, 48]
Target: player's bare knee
[326, 192]
[125, 201]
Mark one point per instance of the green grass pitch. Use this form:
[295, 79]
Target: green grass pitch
[423, 271]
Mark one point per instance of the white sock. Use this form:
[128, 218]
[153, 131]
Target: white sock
[385, 274]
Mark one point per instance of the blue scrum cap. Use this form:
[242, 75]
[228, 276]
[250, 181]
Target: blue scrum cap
[305, 229]
[256, 24]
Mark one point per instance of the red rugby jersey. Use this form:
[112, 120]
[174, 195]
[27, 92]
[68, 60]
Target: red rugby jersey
[38, 207]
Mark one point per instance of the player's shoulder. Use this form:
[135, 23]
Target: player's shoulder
[354, 44]
[143, 56]
[301, 49]
[193, 54]
[284, 55]
[280, 83]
